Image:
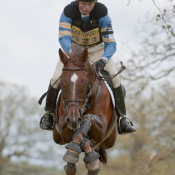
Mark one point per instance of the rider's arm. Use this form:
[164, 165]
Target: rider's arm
[65, 32]
[107, 36]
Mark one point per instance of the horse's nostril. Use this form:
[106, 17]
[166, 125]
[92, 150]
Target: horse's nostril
[79, 120]
[68, 120]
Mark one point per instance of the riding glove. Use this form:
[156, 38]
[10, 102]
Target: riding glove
[100, 64]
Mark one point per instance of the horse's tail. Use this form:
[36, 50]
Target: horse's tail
[103, 156]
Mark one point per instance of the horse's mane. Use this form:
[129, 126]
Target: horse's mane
[75, 55]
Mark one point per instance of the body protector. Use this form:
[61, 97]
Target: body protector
[88, 32]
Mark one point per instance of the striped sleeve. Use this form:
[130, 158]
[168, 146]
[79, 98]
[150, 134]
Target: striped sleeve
[65, 32]
[108, 37]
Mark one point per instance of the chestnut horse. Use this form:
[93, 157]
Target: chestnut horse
[84, 98]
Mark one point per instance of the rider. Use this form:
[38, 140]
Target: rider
[86, 22]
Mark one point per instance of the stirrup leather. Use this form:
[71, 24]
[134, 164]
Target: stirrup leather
[119, 124]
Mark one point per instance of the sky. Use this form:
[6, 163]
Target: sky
[29, 36]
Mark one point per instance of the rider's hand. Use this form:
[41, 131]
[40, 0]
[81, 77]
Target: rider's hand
[100, 64]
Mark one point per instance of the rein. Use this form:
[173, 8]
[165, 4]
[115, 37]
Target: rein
[99, 77]
[107, 78]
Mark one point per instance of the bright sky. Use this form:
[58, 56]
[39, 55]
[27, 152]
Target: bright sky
[29, 36]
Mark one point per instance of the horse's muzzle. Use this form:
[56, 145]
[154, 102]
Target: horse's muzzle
[73, 119]
[73, 125]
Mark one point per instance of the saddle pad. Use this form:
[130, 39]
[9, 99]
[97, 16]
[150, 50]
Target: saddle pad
[111, 93]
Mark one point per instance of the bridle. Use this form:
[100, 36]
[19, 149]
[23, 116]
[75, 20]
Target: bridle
[74, 102]
[96, 86]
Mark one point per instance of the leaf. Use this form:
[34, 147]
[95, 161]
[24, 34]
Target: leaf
[164, 12]
[168, 26]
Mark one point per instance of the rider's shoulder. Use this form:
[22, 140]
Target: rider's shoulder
[71, 10]
[99, 10]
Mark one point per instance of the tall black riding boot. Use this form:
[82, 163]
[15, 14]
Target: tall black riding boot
[47, 121]
[125, 126]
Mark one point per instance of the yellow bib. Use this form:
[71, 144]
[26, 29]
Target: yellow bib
[85, 38]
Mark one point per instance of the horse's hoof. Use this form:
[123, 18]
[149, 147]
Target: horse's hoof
[93, 165]
[95, 172]
[71, 157]
[70, 169]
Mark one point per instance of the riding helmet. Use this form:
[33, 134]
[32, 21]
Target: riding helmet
[88, 0]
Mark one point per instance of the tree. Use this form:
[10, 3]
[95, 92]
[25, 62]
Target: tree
[20, 136]
[162, 16]
[151, 61]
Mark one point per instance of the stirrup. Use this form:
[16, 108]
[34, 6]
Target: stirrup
[119, 124]
[53, 126]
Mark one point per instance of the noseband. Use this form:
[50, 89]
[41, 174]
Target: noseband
[74, 102]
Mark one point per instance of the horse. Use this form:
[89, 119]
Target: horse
[84, 119]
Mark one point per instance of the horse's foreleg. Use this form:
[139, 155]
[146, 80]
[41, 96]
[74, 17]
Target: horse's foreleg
[91, 160]
[71, 157]
[74, 149]
[70, 168]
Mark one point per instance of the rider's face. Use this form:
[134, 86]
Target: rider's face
[86, 7]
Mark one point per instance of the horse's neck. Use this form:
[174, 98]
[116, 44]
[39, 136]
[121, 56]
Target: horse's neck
[91, 73]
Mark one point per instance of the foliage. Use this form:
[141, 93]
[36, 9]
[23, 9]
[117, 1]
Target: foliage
[21, 168]
[164, 15]
[20, 136]
[152, 61]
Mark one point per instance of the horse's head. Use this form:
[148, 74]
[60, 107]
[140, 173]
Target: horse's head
[75, 84]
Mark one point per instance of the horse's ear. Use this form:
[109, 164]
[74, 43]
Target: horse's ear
[85, 55]
[63, 57]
